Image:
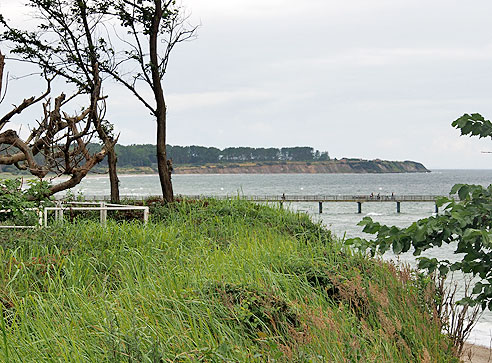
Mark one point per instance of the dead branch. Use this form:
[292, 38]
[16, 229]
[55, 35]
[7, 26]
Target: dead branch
[59, 142]
[25, 104]
[79, 173]
[10, 137]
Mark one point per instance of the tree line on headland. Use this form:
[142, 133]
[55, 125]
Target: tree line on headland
[233, 160]
[144, 155]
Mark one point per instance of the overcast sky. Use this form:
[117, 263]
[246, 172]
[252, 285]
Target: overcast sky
[357, 78]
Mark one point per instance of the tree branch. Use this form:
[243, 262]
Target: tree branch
[25, 104]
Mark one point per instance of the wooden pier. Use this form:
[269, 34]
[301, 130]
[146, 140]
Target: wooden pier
[320, 199]
[359, 199]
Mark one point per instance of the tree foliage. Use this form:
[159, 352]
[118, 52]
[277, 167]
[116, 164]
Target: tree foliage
[144, 155]
[465, 224]
[474, 125]
[59, 43]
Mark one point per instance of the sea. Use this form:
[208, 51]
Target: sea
[341, 218]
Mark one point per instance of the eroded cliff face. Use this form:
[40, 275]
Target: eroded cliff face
[325, 167]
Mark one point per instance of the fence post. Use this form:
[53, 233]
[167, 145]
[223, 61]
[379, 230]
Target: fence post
[146, 215]
[57, 205]
[104, 213]
[60, 215]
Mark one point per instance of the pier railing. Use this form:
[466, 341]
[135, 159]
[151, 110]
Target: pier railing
[344, 198]
[320, 199]
[295, 198]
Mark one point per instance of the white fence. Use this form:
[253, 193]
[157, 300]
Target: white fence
[39, 212]
[61, 207]
[102, 207]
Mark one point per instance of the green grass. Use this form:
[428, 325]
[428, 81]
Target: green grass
[213, 281]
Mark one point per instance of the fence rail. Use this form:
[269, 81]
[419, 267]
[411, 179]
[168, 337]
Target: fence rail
[102, 207]
[38, 212]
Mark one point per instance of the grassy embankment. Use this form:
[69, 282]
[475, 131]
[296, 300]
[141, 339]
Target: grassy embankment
[220, 281]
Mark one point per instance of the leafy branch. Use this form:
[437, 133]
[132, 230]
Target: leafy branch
[465, 223]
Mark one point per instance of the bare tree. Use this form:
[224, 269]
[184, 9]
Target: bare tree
[154, 28]
[64, 45]
[59, 141]
[74, 41]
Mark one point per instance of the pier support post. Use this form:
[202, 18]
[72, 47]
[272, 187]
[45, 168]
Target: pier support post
[320, 207]
[359, 207]
[397, 207]
[437, 209]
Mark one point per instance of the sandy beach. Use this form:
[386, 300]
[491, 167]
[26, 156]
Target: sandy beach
[476, 354]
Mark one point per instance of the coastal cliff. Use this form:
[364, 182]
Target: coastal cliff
[319, 167]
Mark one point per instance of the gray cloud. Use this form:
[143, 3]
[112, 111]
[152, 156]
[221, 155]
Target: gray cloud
[372, 79]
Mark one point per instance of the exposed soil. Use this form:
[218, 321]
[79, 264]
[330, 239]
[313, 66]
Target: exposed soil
[319, 167]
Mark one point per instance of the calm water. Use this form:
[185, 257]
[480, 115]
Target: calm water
[342, 218]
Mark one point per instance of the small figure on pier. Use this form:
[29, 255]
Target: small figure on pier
[392, 195]
[283, 196]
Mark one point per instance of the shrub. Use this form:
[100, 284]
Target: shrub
[18, 203]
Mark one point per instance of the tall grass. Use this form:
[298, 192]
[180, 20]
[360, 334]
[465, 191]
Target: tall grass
[214, 281]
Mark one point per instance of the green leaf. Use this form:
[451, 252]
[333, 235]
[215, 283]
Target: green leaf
[397, 247]
[365, 221]
[455, 188]
[464, 191]
[442, 200]
[485, 238]
[477, 289]
[429, 264]
[443, 270]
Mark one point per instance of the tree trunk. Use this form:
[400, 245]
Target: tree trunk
[164, 172]
[2, 65]
[106, 138]
[160, 111]
[113, 176]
